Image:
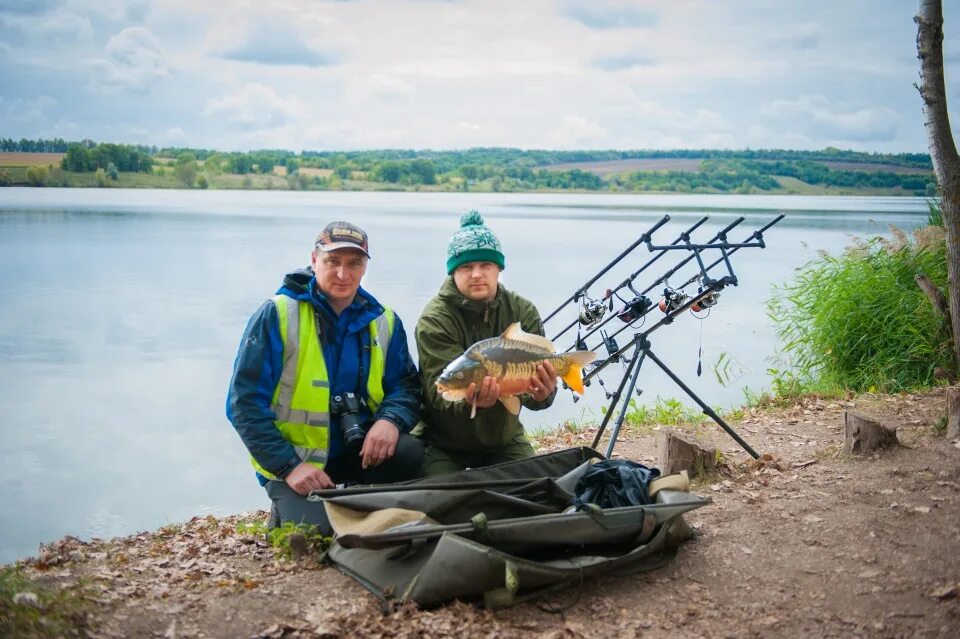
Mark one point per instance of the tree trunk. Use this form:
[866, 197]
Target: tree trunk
[933, 293]
[943, 151]
[863, 434]
[953, 412]
[677, 454]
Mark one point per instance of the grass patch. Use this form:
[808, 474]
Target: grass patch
[31, 609]
[860, 321]
[642, 418]
[295, 541]
[290, 540]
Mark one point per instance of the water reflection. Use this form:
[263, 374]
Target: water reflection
[123, 310]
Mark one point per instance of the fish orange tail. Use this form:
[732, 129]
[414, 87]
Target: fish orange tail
[573, 377]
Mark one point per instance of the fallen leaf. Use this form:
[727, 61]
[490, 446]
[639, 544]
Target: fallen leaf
[946, 592]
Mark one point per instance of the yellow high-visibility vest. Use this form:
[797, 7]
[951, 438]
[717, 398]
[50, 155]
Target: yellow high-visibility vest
[301, 400]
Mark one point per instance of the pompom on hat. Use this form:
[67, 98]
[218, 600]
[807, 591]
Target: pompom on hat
[474, 242]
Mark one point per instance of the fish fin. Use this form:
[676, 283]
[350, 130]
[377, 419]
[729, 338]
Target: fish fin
[573, 376]
[581, 358]
[512, 403]
[473, 406]
[517, 334]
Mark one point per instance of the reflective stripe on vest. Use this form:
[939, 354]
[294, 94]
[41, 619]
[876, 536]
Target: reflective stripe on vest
[301, 402]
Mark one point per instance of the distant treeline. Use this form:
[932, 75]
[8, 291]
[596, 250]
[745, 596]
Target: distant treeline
[504, 169]
[122, 157]
[57, 145]
[747, 176]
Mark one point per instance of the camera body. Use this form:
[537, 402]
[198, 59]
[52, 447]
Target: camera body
[347, 406]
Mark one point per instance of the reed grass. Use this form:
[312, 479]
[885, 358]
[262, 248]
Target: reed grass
[859, 321]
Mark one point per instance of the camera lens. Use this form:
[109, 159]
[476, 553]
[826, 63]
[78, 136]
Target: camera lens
[353, 432]
[347, 407]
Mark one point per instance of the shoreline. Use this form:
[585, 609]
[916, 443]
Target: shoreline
[824, 543]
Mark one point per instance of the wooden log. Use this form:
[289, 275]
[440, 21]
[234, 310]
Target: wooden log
[953, 412]
[935, 295]
[677, 454]
[864, 434]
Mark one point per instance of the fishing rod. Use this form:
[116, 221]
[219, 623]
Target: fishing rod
[672, 297]
[610, 293]
[640, 305]
[674, 303]
[582, 290]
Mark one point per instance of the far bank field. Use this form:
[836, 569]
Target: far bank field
[826, 172]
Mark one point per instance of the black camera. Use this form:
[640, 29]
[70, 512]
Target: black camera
[347, 408]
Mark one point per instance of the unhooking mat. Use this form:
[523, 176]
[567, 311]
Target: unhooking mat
[501, 532]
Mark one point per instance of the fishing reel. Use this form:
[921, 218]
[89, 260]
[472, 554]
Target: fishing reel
[592, 311]
[634, 309]
[671, 300]
[708, 300]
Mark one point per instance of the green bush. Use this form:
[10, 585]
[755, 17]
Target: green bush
[37, 175]
[860, 321]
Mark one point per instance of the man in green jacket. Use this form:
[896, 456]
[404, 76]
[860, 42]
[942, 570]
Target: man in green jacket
[473, 305]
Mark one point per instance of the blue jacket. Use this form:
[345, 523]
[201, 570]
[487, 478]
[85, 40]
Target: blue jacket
[345, 342]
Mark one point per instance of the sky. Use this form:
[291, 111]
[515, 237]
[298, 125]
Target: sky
[454, 74]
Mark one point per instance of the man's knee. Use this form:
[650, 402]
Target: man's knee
[406, 463]
[438, 462]
[293, 507]
[409, 453]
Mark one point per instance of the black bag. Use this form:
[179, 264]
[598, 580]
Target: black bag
[614, 483]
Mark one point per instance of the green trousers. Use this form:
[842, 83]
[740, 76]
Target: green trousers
[438, 462]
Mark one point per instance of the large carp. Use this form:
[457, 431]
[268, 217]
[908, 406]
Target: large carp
[511, 359]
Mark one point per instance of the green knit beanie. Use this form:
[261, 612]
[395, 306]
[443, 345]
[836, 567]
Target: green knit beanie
[474, 242]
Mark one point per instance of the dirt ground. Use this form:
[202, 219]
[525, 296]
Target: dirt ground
[810, 543]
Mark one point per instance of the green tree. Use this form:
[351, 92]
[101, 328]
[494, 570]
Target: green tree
[202, 181]
[186, 169]
[423, 171]
[5, 178]
[112, 171]
[101, 178]
[389, 171]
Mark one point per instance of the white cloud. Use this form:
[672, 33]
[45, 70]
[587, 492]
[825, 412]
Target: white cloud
[58, 29]
[134, 61]
[814, 114]
[27, 110]
[256, 106]
[175, 136]
[378, 85]
[536, 73]
[578, 132]
[800, 37]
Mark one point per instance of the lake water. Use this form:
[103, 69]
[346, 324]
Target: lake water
[122, 311]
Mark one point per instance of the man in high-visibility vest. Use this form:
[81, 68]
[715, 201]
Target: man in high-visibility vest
[324, 390]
